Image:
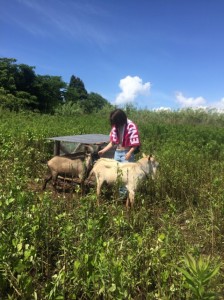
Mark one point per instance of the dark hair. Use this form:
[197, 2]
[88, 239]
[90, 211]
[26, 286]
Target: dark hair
[118, 118]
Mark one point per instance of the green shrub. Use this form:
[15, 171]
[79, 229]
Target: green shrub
[60, 245]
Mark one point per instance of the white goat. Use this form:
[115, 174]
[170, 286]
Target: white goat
[130, 173]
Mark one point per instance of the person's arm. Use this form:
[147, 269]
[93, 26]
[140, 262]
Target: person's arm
[129, 153]
[105, 149]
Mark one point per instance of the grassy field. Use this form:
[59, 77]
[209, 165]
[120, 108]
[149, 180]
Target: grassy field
[62, 246]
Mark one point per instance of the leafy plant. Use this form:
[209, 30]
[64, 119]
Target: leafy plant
[198, 275]
[63, 246]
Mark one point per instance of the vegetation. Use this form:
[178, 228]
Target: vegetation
[62, 246]
[22, 89]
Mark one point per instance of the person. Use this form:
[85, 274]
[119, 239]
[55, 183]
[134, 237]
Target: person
[124, 135]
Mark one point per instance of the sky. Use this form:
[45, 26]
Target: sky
[153, 54]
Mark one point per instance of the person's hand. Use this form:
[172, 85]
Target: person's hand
[128, 156]
[101, 152]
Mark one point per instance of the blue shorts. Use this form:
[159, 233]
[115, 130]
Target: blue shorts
[119, 155]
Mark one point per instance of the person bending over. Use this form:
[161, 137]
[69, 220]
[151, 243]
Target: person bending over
[124, 135]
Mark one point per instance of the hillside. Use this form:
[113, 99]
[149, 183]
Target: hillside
[62, 246]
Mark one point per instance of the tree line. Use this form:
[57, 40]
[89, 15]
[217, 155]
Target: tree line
[22, 89]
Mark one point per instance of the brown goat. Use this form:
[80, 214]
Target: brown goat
[75, 165]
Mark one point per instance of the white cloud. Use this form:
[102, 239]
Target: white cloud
[162, 108]
[219, 105]
[131, 88]
[189, 102]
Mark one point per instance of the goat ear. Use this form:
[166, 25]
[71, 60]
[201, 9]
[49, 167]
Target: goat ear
[143, 155]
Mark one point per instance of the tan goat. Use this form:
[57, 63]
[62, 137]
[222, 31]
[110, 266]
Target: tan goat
[72, 165]
[130, 173]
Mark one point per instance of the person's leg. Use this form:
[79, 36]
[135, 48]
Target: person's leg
[120, 156]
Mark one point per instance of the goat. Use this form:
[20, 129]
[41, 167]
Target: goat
[130, 173]
[76, 165]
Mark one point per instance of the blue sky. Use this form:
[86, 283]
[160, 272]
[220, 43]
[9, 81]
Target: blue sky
[151, 53]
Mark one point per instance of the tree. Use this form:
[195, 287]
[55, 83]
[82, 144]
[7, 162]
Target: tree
[16, 82]
[21, 88]
[71, 95]
[94, 102]
[20, 101]
[49, 91]
[26, 101]
[75, 91]
[25, 78]
[7, 74]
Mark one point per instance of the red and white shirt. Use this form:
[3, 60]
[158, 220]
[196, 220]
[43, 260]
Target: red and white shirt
[130, 135]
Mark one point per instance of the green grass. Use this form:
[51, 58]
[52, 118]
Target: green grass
[62, 246]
